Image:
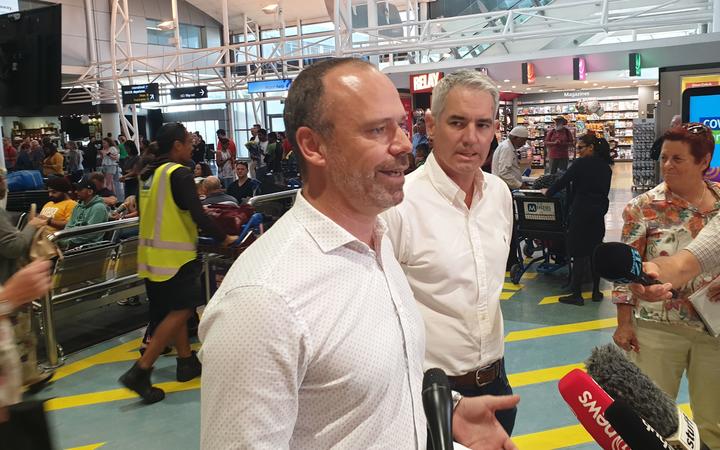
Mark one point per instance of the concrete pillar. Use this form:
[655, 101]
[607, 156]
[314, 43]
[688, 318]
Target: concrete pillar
[110, 124]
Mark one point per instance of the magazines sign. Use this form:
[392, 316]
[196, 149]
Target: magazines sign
[424, 82]
[8, 6]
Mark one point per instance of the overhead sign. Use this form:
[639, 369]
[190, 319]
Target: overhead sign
[528, 73]
[257, 87]
[634, 65]
[579, 69]
[700, 81]
[140, 93]
[9, 6]
[189, 93]
[424, 82]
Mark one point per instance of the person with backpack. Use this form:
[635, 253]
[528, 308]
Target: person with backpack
[557, 142]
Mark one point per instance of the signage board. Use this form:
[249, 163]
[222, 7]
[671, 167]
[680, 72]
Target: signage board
[579, 69]
[528, 73]
[634, 65]
[140, 93]
[258, 87]
[424, 82]
[9, 6]
[189, 93]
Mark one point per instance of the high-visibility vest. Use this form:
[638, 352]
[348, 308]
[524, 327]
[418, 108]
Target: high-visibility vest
[168, 235]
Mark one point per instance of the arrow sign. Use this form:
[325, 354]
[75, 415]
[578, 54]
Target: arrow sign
[140, 93]
[189, 93]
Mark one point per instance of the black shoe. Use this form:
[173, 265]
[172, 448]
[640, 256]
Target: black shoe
[138, 380]
[597, 296]
[188, 368]
[572, 299]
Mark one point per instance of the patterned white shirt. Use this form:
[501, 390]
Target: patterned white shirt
[313, 341]
[454, 259]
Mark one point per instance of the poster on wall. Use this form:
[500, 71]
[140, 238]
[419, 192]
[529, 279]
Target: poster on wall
[702, 105]
[406, 101]
[8, 6]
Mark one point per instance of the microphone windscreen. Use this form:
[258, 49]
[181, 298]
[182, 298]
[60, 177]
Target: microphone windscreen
[435, 377]
[623, 380]
[616, 261]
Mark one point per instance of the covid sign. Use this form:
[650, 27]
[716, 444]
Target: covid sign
[705, 109]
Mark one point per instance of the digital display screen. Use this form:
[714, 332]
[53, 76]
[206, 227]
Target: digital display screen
[705, 109]
[257, 87]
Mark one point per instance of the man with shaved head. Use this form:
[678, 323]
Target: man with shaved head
[330, 354]
[215, 194]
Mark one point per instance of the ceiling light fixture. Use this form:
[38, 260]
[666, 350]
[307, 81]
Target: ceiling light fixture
[514, 87]
[635, 81]
[271, 8]
[548, 76]
[506, 81]
[166, 25]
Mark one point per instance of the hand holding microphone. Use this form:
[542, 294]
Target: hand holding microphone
[472, 423]
[621, 263]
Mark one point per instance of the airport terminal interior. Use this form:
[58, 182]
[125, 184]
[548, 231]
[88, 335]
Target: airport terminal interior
[85, 78]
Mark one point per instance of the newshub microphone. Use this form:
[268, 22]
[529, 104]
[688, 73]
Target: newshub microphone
[622, 263]
[623, 380]
[438, 405]
[589, 402]
[633, 429]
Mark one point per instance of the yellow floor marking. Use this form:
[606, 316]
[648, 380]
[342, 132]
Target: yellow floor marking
[506, 295]
[559, 437]
[93, 398]
[585, 295]
[542, 375]
[89, 447]
[555, 330]
[512, 287]
[123, 352]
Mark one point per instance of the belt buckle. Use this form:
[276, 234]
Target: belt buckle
[477, 375]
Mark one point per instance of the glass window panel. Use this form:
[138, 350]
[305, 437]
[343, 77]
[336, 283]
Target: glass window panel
[274, 107]
[317, 27]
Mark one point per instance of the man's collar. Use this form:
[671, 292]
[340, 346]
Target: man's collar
[327, 234]
[446, 186]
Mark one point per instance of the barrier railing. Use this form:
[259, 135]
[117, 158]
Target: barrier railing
[83, 257]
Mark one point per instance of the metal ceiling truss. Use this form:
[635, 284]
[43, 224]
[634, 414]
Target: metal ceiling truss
[228, 68]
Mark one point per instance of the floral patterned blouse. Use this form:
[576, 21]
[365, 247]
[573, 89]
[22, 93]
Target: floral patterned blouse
[660, 223]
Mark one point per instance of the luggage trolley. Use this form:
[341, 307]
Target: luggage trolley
[538, 218]
[217, 259]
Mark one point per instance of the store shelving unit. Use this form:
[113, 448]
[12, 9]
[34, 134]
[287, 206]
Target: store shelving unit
[615, 123]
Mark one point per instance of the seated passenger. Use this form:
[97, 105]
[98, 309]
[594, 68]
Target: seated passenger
[215, 194]
[244, 187]
[90, 210]
[58, 210]
[108, 197]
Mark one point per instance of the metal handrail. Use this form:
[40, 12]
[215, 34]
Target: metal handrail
[274, 196]
[96, 227]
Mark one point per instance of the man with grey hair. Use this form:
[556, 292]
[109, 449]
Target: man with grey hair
[455, 256]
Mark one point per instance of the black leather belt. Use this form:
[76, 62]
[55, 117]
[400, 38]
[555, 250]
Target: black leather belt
[478, 377]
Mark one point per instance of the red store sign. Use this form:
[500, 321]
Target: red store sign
[424, 82]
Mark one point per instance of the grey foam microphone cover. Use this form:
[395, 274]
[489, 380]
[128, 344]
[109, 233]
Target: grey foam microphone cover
[622, 379]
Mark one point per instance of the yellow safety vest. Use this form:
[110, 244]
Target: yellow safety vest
[168, 235]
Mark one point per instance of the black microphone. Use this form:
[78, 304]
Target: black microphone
[633, 429]
[621, 263]
[438, 405]
[623, 380]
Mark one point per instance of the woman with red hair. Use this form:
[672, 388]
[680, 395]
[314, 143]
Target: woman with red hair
[666, 339]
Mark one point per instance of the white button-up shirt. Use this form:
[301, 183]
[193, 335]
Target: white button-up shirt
[313, 341]
[506, 165]
[454, 259]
